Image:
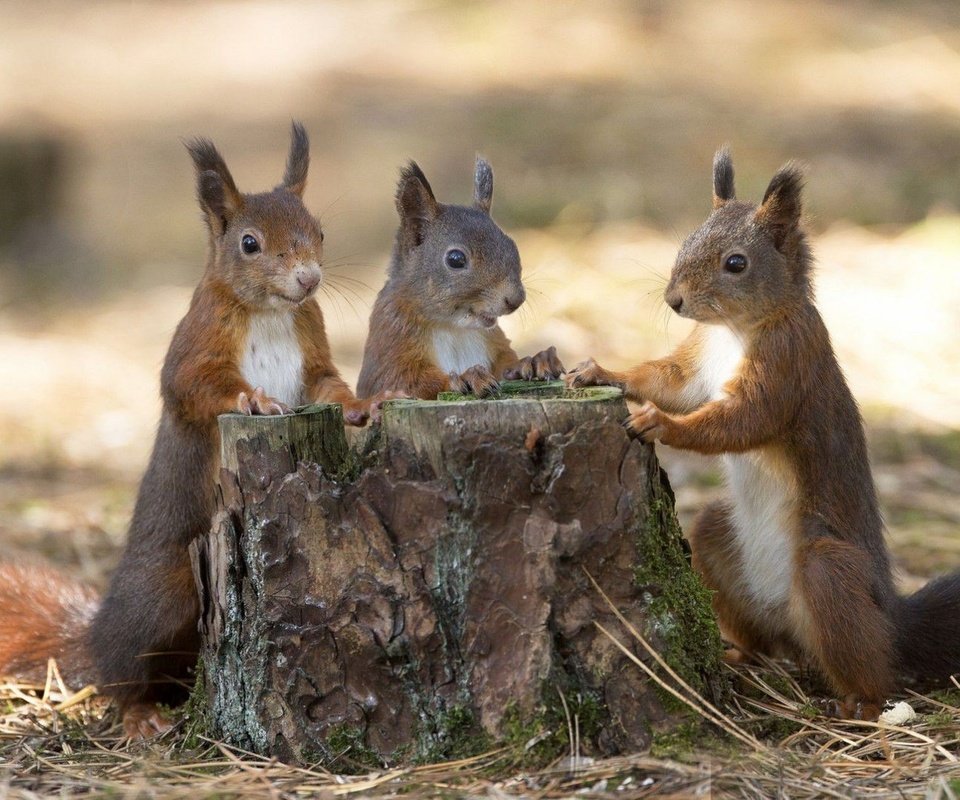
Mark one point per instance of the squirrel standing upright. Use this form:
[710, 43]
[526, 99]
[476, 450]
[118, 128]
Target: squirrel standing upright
[796, 559]
[252, 341]
[453, 272]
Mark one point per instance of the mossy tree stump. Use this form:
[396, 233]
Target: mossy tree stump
[425, 592]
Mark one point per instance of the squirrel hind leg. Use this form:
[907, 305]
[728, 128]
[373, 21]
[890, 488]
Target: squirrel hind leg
[714, 548]
[145, 637]
[841, 626]
[851, 707]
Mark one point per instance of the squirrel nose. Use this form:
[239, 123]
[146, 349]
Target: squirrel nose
[675, 302]
[308, 279]
[514, 302]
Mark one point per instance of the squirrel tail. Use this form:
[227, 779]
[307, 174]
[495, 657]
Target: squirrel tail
[44, 615]
[928, 633]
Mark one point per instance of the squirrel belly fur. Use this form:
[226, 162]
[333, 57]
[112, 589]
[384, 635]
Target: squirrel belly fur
[253, 341]
[796, 557]
[454, 272]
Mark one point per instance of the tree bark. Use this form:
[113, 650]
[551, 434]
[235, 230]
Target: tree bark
[426, 592]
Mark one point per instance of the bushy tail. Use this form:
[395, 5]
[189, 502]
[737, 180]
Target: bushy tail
[928, 633]
[44, 615]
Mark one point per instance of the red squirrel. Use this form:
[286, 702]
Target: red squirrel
[453, 272]
[796, 557]
[252, 341]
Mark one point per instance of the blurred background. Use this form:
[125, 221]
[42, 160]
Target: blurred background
[600, 118]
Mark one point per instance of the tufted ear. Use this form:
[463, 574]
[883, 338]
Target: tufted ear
[483, 185]
[781, 207]
[415, 203]
[216, 191]
[723, 190]
[298, 161]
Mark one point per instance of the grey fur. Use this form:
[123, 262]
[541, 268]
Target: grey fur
[723, 189]
[483, 185]
[298, 161]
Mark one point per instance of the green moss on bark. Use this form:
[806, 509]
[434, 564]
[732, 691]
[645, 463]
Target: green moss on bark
[451, 735]
[347, 751]
[681, 618]
[539, 738]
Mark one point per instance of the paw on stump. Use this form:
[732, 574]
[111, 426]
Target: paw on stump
[424, 591]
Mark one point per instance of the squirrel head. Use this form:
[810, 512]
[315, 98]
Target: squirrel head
[460, 266]
[745, 262]
[267, 247]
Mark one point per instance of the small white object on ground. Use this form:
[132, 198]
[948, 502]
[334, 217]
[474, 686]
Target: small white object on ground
[899, 714]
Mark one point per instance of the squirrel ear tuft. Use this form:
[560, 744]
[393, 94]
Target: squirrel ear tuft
[216, 191]
[781, 207]
[723, 190]
[483, 185]
[415, 203]
[298, 161]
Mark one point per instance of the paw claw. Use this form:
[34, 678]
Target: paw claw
[260, 404]
[477, 380]
[586, 373]
[850, 707]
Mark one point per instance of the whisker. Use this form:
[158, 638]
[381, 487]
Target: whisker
[343, 289]
[354, 281]
[325, 290]
[346, 298]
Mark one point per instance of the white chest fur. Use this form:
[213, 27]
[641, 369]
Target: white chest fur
[765, 515]
[720, 356]
[272, 357]
[762, 486]
[458, 349]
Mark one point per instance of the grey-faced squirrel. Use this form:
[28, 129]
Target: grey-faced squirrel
[453, 273]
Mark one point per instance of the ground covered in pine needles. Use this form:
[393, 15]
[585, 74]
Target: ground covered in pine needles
[768, 741]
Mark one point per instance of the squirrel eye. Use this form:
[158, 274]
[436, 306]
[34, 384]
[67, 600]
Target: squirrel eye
[249, 245]
[455, 259]
[735, 263]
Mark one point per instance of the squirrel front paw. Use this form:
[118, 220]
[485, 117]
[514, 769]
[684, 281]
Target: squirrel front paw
[259, 404]
[477, 380]
[372, 406]
[589, 373]
[649, 423]
[544, 366]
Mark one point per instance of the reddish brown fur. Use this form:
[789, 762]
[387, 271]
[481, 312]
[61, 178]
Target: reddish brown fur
[422, 296]
[399, 351]
[37, 626]
[787, 404]
[144, 637]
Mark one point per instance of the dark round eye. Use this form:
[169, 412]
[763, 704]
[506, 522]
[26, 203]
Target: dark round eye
[455, 259]
[249, 245]
[735, 263]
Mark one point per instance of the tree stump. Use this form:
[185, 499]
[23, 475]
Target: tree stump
[426, 592]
